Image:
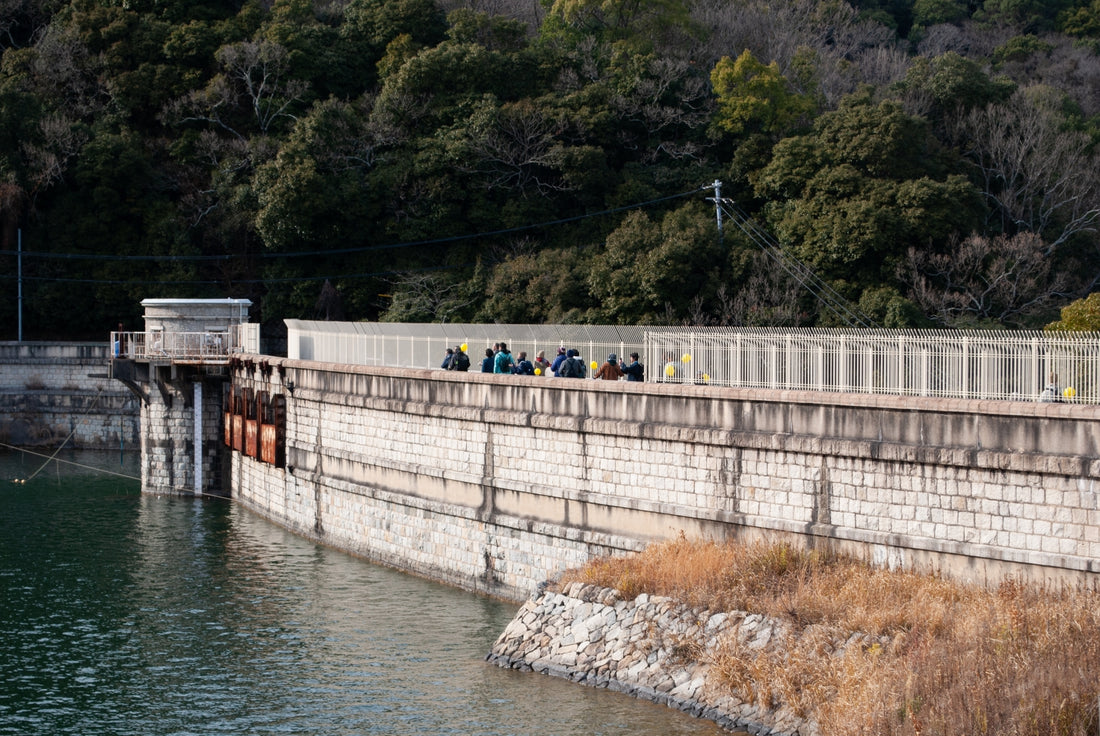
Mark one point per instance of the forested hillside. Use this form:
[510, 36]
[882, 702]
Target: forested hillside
[933, 161]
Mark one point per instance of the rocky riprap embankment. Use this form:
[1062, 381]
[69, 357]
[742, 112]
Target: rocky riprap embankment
[649, 647]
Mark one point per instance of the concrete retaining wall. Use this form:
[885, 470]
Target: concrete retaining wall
[496, 483]
[53, 391]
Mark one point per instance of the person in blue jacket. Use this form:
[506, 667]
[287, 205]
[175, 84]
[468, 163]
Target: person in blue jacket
[558, 361]
[487, 361]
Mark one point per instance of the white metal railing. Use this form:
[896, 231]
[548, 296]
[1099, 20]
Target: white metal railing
[207, 346]
[1010, 365]
[424, 345]
[1006, 365]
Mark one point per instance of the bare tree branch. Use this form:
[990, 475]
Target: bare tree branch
[1004, 279]
[1038, 176]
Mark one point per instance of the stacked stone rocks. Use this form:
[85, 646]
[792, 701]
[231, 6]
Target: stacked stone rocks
[650, 647]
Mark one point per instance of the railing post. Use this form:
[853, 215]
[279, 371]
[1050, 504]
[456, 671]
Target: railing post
[966, 367]
[843, 363]
[787, 360]
[739, 359]
[901, 366]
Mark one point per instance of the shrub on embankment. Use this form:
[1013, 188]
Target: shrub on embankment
[1020, 660]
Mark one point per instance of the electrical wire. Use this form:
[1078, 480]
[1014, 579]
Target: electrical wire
[841, 308]
[273, 280]
[338, 251]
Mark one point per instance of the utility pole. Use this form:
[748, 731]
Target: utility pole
[19, 287]
[718, 207]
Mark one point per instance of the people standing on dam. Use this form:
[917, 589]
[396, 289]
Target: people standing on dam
[573, 366]
[523, 367]
[502, 362]
[555, 367]
[634, 370]
[460, 361]
[542, 365]
[610, 370]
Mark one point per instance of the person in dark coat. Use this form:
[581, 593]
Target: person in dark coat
[634, 370]
[523, 367]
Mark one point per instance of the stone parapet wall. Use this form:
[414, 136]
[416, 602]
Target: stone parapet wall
[496, 483]
[651, 647]
[53, 393]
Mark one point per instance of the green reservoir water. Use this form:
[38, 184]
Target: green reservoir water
[129, 614]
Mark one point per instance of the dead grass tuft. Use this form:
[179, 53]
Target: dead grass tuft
[937, 657]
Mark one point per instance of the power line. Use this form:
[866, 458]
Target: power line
[338, 251]
[273, 280]
[803, 274]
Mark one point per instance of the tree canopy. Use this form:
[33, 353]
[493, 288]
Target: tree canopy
[932, 161]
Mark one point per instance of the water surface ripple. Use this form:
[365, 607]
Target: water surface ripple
[129, 614]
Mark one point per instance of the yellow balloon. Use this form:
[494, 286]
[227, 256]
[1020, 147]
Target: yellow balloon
[686, 358]
[670, 370]
[706, 378]
[1069, 393]
[463, 346]
[538, 371]
[594, 365]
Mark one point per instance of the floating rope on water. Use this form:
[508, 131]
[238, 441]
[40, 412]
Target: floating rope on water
[53, 457]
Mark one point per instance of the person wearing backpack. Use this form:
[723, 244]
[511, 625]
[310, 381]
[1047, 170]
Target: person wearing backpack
[460, 361]
[503, 362]
[573, 366]
[523, 366]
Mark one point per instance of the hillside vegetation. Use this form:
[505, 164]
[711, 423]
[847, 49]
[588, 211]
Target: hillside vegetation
[934, 161]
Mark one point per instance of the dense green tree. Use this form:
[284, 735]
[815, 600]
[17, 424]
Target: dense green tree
[1082, 21]
[369, 26]
[952, 84]
[932, 12]
[419, 158]
[868, 183]
[655, 271]
[548, 286]
[312, 50]
[1027, 15]
[315, 192]
[640, 26]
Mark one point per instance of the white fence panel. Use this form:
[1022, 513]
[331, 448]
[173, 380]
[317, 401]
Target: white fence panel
[945, 363]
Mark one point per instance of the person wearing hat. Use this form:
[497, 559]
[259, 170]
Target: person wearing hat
[610, 370]
[556, 365]
[542, 365]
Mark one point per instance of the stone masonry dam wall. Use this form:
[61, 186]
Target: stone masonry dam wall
[51, 390]
[497, 483]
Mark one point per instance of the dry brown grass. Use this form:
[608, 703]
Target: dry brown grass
[938, 657]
